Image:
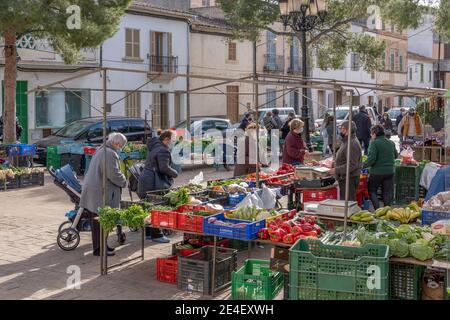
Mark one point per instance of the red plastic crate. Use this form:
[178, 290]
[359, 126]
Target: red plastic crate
[164, 219]
[167, 269]
[189, 222]
[319, 195]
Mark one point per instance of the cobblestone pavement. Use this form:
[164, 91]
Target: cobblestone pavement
[32, 266]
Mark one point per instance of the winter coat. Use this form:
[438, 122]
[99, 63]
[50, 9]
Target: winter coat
[92, 193]
[279, 123]
[269, 123]
[382, 155]
[355, 159]
[363, 125]
[387, 124]
[294, 149]
[159, 159]
[411, 126]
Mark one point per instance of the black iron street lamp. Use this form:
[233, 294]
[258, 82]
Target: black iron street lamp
[303, 16]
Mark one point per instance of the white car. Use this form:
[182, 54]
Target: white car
[342, 115]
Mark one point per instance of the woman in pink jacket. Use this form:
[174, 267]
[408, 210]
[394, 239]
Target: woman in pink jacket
[294, 150]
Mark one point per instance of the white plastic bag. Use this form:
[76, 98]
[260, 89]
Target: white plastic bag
[257, 201]
[247, 202]
[269, 198]
[198, 179]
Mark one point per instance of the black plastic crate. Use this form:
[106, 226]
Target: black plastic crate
[405, 281]
[406, 193]
[31, 180]
[195, 271]
[10, 183]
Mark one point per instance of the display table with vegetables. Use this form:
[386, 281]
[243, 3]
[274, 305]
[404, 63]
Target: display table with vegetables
[16, 178]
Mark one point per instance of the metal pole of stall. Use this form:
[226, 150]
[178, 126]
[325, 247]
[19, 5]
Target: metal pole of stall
[213, 278]
[347, 172]
[103, 236]
[334, 123]
[256, 94]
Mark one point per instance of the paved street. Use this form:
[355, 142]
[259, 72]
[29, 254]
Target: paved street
[32, 266]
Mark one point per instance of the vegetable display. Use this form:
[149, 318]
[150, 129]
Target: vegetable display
[363, 216]
[224, 183]
[250, 214]
[290, 231]
[406, 240]
[179, 197]
[133, 217]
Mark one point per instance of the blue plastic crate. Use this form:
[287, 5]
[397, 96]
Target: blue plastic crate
[235, 200]
[430, 217]
[16, 150]
[250, 232]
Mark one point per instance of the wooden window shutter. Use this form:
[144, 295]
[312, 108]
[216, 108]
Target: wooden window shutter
[169, 53]
[136, 43]
[152, 43]
[128, 43]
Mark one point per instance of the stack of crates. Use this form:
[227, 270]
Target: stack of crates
[53, 157]
[405, 281]
[328, 272]
[195, 272]
[407, 180]
[256, 281]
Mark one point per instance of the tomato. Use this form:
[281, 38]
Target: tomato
[317, 229]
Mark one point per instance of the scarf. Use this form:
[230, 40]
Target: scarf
[416, 122]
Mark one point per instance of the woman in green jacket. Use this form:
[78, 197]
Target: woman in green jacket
[381, 161]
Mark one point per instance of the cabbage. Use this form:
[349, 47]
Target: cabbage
[421, 250]
[398, 248]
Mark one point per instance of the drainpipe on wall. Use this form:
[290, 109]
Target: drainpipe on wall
[188, 87]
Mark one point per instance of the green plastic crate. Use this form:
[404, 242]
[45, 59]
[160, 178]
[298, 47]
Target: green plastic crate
[255, 281]
[408, 174]
[328, 272]
[405, 281]
[53, 160]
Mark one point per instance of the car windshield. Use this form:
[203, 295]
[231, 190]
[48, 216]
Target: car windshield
[73, 129]
[341, 114]
[393, 113]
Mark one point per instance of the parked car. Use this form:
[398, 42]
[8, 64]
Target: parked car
[342, 115]
[284, 113]
[393, 114]
[203, 125]
[90, 130]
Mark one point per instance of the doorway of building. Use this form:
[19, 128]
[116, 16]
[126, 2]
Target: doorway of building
[21, 107]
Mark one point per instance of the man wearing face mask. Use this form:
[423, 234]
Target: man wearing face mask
[92, 194]
[411, 125]
[294, 150]
[340, 166]
[158, 174]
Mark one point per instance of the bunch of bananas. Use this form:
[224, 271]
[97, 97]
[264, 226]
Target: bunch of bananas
[363, 216]
[404, 215]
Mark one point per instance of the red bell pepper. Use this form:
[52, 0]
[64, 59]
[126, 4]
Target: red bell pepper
[279, 222]
[317, 229]
[296, 230]
[311, 234]
[277, 236]
[263, 234]
[310, 219]
[288, 239]
[300, 236]
[273, 226]
[307, 228]
[286, 227]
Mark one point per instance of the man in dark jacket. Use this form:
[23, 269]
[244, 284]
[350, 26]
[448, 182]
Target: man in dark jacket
[158, 174]
[246, 121]
[397, 123]
[363, 125]
[340, 167]
[276, 117]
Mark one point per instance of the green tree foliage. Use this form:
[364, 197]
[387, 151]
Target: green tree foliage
[332, 40]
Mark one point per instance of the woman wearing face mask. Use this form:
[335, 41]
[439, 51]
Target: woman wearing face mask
[246, 160]
[386, 122]
[158, 174]
[294, 150]
[411, 125]
[92, 194]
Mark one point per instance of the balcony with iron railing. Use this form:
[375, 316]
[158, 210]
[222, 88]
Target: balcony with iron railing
[294, 66]
[273, 63]
[164, 64]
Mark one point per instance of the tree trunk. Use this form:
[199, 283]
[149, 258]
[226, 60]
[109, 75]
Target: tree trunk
[10, 76]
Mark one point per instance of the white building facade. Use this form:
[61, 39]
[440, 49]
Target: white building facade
[148, 39]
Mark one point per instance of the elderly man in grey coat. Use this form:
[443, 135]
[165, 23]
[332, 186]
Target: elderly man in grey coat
[92, 194]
